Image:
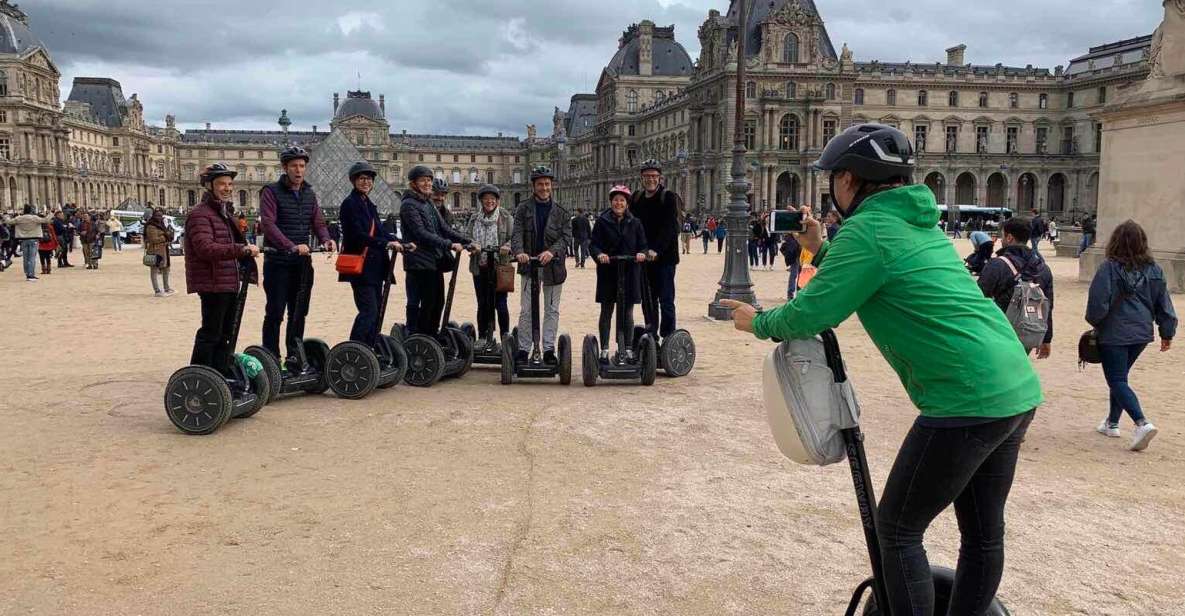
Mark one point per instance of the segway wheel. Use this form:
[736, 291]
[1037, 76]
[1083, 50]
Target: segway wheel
[197, 400]
[469, 330]
[676, 356]
[262, 388]
[509, 346]
[317, 354]
[270, 366]
[590, 361]
[395, 357]
[944, 583]
[398, 332]
[648, 356]
[425, 361]
[464, 348]
[564, 346]
[352, 370]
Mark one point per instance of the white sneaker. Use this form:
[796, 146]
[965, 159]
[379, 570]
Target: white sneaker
[1108, 430]
[170, 292]
[1142, 436]
[159, 294]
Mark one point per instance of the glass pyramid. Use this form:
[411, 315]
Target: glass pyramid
[329, 166]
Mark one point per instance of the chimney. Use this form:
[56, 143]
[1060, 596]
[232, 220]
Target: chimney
[314, 129]
[383, 104]
[336, 100]
[954, 55]
[646, 48]
[207, 126]
[499, 133]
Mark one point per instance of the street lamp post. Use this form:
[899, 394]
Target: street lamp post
[735, 283]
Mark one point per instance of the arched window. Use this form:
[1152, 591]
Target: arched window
[790, 49]
[788, 133]
[983, 100]
[923, 98]
[952, 99]
[858, 96]
[631, 101]
[791, 89]
[751, 89]
[891, 97]
[830, 91]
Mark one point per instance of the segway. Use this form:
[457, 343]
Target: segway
[534, 367]
[676, 352]
[355, 370]
[491, 353]
[303, 372]
[448, 355]
[640, 363]
[199, 399]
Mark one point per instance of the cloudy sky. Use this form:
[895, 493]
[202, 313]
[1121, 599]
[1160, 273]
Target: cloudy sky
[483, 66]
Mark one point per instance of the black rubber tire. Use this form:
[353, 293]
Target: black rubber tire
[648, 356]
[944, 582]
[639, 331]
[197, 400]
[469, 330]
[352, 370]
[271, 366]
[317, 353]
[676, 356]
[393, 349]
[398, 332]
[453, 325]
[508, 349]
[564, 350]
[590, 361]
[262, 388]
[464, 346]
[425, 361]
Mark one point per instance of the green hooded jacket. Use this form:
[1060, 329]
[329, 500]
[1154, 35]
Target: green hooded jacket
[952, 348]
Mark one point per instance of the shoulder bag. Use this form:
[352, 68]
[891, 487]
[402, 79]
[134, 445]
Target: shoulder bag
[351, 265]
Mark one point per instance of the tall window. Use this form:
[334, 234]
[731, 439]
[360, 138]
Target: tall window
[751, 89]
[952, 138]
[788, 132]
[952, 99]
[983, 100]
[490, 177]
[919, 137]
[3, 117]
[1070, 100]
[1068, 140]
[828, 131]
[5, 149]
[1043, 101]
[790, 49]
[3, 83]
[456, 201]
[631, 101]
[830, 91]
[891, 97]
[1013, 138]
[1102, 95]
[631, 130]
[1042, 139]
[981, 139]
[456, 176]
[923, 98]
[1098, 138]
[858, 96]
[750, 134]
[1013, 100]
[791, 89]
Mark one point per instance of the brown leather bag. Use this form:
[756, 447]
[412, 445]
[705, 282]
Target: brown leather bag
[351, 265]
[505, 278]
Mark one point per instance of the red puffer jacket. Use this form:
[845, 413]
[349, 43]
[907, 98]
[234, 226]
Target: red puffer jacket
[214, 248]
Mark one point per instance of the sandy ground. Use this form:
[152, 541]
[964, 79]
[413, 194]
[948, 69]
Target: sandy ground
[474, 498]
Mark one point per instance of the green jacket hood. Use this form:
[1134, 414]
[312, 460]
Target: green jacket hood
[914, 204]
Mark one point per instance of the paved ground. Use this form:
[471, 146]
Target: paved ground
[474, 498]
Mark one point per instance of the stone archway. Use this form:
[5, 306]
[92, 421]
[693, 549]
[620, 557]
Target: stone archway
[997, 191]
[936, 182]
[787, 190]
[1026, 192]
[1056, 193]
[965, 186]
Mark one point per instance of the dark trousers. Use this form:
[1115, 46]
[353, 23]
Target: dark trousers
[46, 260]
[754, 247]
[428, 287]
[211, 345]
[707, 240]
[366, 298]
[1117, 363]
[282, 284]
[719, 244]
[973, 468]
[582, 251]
[608, 314]
[661, 281]
[490, 303]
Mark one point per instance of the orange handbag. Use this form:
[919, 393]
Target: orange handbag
[351, 265]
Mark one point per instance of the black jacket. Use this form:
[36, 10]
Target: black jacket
[581, 229]
[423, 226]
[556, 237]
[615, 238]
[1123, 304]
[357, 214]
[660, 216]
[997, 281]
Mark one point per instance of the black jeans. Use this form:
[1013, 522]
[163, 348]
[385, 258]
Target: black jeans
[428, 287]
[582, 250]
[281, 283]
[489, 303]
[972, 467]
[211, 345]
[608, 312]
[367, 298]
[661, 280]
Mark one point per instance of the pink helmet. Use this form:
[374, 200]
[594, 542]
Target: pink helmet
[625, 190]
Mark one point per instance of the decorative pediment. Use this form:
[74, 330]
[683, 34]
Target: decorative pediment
[37, 57]
[794, 14]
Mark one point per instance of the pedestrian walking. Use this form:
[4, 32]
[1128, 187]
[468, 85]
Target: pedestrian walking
[115, 228]
[581, 234]
[157, 238]
[28, 230]
[46, 248]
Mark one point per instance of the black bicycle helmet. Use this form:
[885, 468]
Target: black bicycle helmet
[292, 153]
[439, 185]
[872, 152]
[650, 165]
[417, 172]
[542, 171]
[362, 168]
[488, 189]
[217, 170]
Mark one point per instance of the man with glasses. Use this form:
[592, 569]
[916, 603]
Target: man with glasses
[661, 213]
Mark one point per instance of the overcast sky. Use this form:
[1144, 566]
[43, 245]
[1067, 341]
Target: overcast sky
[483, 66]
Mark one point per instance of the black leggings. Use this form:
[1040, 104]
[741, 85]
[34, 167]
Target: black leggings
[971, 467]
[607, 315]
[428, 286]
[46, 258]
[483, 284]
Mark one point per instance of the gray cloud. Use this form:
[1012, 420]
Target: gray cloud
[478, 67]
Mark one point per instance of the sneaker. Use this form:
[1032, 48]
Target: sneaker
[1108, 430]
[31, 279]
[1142, 436]
[550, 359]
[604, 354]
[159, 294]
[170, 292]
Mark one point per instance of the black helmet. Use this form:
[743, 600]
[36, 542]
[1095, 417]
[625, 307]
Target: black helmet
[872, 152]
[417, 172]
[488, 189]
[292, 153]
[542, 171]
[217, 170]
[362, 168]
[650, 165]
[439, 185]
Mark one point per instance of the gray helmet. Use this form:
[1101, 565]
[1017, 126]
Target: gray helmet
[417, 172]
[873, 152]
[362, 168]
[488, 189]
[439, 185]
[542, 171]
[217, 170]
[650, 165]
[292, 153]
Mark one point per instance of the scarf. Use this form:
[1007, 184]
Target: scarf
[485, 229]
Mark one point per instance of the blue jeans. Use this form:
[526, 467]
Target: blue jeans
[707, 240]
[116, 242]
[1087, 240]
[1036, 241]
[29, 257]
[1118, 360]
[792, 283]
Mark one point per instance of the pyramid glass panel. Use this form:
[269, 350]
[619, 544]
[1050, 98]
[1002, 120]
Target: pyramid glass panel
[329, 166]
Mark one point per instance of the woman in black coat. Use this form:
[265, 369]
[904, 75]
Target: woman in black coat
[364, 232]
[617, 233]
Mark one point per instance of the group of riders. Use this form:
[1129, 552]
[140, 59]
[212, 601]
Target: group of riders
[644, 224]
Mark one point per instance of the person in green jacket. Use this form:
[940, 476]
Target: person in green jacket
[954, 351]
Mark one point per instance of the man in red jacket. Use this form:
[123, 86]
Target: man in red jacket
[216, 255]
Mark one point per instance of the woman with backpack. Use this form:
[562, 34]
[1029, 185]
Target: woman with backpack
[1128, 294]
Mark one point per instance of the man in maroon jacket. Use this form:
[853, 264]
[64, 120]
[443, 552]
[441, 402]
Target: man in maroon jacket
[216, 255]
